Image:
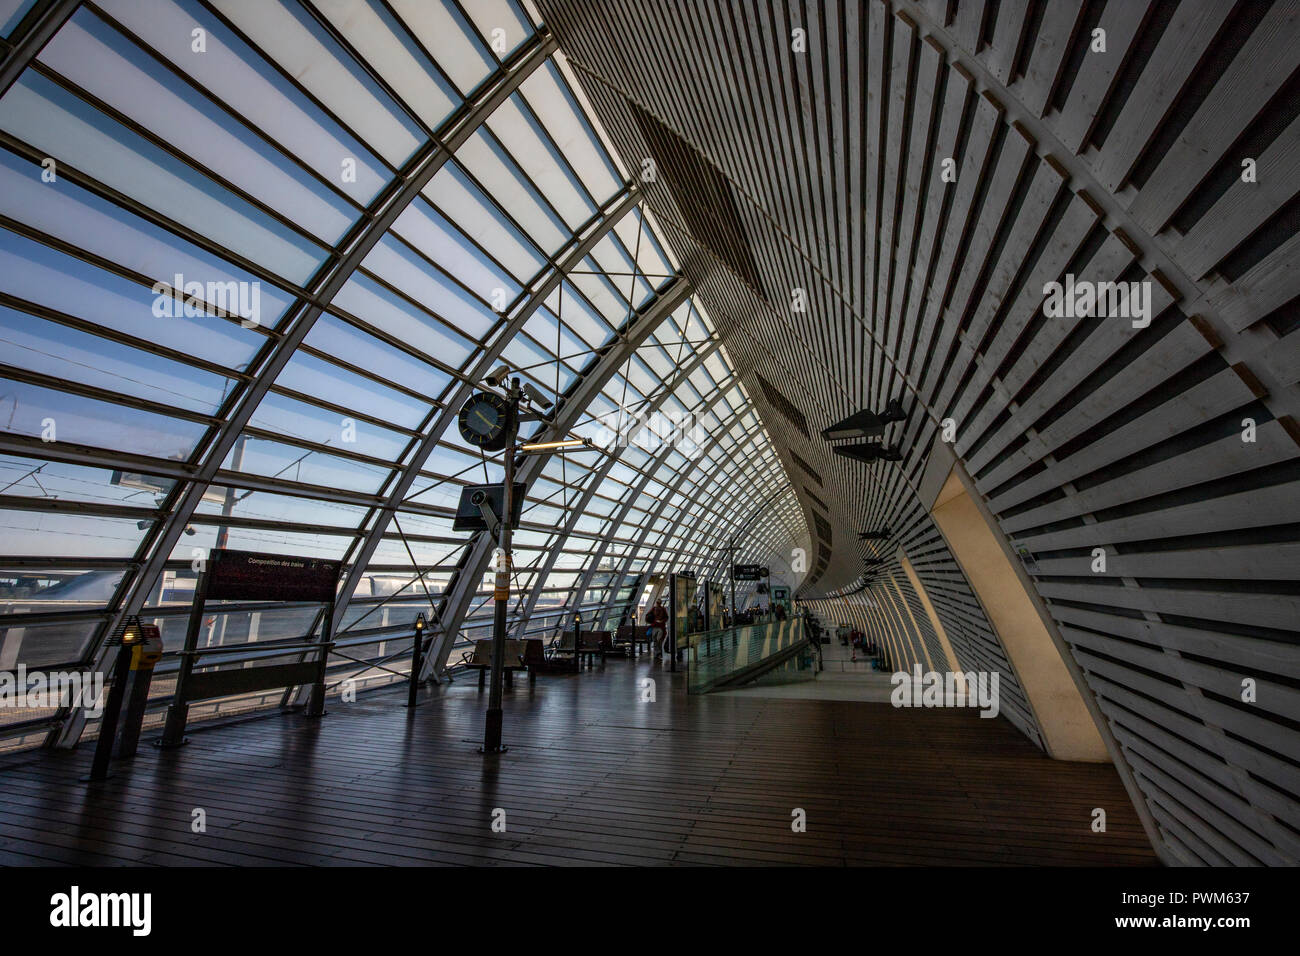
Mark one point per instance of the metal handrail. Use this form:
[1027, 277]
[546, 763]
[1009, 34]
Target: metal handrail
[256, 649]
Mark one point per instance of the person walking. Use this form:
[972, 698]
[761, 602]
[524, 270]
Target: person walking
[657, 618]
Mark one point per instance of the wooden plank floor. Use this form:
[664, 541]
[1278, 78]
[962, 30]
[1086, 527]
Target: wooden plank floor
[593, 776]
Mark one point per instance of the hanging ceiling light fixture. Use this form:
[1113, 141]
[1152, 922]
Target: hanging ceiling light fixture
[867, 424]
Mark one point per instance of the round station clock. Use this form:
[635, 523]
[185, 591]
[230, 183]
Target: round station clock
[485, 421]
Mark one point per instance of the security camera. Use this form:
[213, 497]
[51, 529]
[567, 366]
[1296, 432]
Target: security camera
[536, 397]
[498, 378]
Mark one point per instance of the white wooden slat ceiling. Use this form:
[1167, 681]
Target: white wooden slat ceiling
[818, 167]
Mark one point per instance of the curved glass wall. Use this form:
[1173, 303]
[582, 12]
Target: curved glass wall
[228, 322]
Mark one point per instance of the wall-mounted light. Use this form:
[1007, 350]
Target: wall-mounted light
[866, 423]
[545, 447]
[894, 411]
[869, 452]
[863, 424]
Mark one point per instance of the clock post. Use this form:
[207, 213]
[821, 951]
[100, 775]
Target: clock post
[501, 580]
[491, 422]
[731, 550]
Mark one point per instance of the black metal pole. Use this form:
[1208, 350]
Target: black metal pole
[670, 632]
[316, 698]
[417, 661]
[733, 594]
[501, 590]
[112, 708]
[771, 615]
[173, 734]
[143, 659]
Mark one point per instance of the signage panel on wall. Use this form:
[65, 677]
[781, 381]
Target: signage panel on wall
[251, 576]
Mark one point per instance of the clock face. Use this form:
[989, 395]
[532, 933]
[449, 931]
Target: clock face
[484, 420]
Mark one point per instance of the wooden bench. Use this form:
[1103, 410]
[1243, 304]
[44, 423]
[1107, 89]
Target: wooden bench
[534, 658]
[621, 643]
[591, 644]
[481, 660]
[558, 656]
[633, 635]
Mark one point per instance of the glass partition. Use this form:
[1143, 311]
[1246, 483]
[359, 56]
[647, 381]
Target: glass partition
[732, 656]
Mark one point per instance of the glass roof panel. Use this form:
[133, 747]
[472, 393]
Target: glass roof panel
[54, 350]
[59, 124]
[251, 87]
[460, 200]
[303, 48]
[389, 312]
[501, 24]
[311, 375]
[449, 39]
[165, 105]
[381, 41]
[36, 411]
[345, 342]
[12, 12]
[549, 98]
[511, 190]
[516, 130]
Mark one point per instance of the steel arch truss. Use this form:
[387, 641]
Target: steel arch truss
[439, 420]
[578, 509]
[338, 268]
[731, 455]
[465, 585]
[636, 492]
